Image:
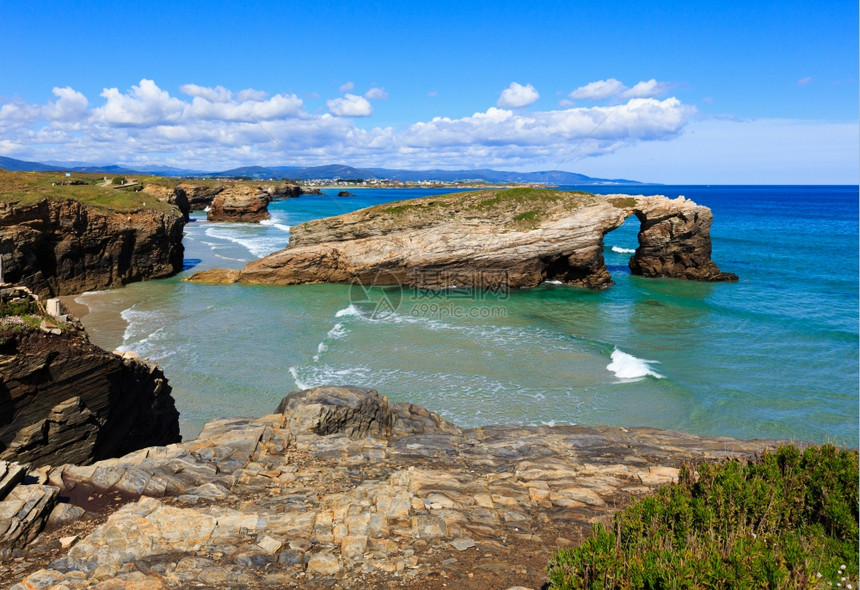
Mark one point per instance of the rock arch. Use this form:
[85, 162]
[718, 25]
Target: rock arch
[675, 241]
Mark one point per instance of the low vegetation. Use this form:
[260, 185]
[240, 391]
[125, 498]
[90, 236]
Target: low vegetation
[31, 187]
[517, 208]
[786, 520]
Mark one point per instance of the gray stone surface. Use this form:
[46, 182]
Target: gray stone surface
[269, 503]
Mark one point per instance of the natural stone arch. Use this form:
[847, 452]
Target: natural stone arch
[675, 241]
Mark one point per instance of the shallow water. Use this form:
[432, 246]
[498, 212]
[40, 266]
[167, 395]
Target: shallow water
[774, 355]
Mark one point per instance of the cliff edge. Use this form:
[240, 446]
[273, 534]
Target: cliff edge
[63, 247]
[516, 238]
[64, 400]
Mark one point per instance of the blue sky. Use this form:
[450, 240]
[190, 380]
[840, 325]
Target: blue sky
[673, 92]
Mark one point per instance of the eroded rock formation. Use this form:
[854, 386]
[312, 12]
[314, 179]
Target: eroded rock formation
[176, 196]
[64, 400]
[242, 202]
[515, 238]
[200, 196]
[329, 492]
[61, 247]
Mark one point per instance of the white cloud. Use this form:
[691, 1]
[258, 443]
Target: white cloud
[648, 89]
[351, 105]
[277, 107]
[516, 95]
[346, 87]
[804, 81]
[146, 104]
[376, 94]
[217, 94]
[69, 106]
[598, 90]
[603, 89]
[216, 128]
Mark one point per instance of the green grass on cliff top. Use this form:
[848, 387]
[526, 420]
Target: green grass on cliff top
[31, 187]
[515, 208]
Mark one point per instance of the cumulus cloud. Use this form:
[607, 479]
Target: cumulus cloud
[648, 89]
[346, 87]
[69, 106]
[351, 105]
[636, 120]
[145, 104]
[598, 90]
[376, 94]
[603, 89]
[215, 128]
[277, 107]
[217, 94]
[516, 95]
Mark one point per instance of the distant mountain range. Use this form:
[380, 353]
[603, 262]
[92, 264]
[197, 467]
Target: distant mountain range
[330, 172]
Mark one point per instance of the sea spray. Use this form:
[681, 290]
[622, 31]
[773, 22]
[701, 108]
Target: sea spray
[628, 367]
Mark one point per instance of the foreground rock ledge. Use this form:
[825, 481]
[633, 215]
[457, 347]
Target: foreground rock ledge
[341, 488]
[514, 238]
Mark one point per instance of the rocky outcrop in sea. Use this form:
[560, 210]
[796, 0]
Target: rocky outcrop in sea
[514, 238]
[339, 488]
[245, 203]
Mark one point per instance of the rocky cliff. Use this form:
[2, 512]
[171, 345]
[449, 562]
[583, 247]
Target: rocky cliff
[339, 488]
[64, 400]
[60, 247]
[517, 238]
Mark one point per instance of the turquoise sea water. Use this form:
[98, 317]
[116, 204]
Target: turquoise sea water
[774, 355]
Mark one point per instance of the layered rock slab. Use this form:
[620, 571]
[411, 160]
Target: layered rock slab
[514, 238]
[64, 400]
[331, 491]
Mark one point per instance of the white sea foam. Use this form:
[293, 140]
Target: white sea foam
[139, 329]
[276, 222]
[258, 246]
[348, 311]
[621, 250]
[299, 383]
[628, 367]
[553, 282]
[338, 331]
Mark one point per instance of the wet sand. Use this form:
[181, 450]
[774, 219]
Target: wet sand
[75, 308]
[102, 318]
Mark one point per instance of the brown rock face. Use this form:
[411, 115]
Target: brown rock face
[65, 247]
[200, 197]
[675, 242]
[488, 239]
[63, 400]
[176, 196]
[240, 203]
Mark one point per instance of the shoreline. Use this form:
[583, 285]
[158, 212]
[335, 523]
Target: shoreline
[74, 307]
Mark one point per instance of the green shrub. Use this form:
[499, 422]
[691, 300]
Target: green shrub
[786, 520]
[19, 309]
[118, 180]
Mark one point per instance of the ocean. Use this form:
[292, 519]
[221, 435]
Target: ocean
[774, 355]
